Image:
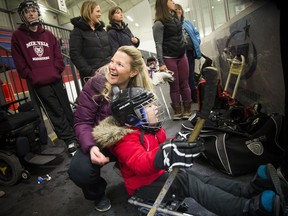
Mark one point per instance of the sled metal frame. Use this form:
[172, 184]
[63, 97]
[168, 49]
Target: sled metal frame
[236, 68]
[156, 87]
[160, 211]
[164, 100]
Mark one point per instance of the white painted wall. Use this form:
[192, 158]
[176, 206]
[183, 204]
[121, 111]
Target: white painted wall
[142, 15]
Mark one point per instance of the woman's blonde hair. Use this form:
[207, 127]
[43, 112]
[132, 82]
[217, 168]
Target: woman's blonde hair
[87, 9]
[142, 79]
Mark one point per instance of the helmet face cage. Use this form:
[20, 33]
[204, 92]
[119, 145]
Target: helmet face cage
[150, 114]
[136, 107]
[21, 11]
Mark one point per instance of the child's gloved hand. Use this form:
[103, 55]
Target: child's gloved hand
[173, 153]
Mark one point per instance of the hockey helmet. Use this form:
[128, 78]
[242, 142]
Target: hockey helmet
[25, 5]
[150, 60]
[135, 106]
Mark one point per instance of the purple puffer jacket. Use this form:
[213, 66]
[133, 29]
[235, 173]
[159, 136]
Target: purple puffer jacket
[90, 111]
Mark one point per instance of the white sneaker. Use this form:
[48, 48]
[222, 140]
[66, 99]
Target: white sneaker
[72, 148]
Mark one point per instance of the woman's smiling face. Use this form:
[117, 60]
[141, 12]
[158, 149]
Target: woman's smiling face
[120, 70]
[96, 14]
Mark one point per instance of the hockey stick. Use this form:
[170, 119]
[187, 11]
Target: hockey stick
[210, 74]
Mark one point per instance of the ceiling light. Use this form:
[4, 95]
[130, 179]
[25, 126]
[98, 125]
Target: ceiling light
[129, 18]
[42, 8]
[136, 24]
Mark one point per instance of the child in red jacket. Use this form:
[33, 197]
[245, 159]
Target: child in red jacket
[135, 136]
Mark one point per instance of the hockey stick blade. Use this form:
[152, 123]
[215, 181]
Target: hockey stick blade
[210, 74]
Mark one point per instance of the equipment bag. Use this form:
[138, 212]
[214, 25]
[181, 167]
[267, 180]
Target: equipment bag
[242, 149]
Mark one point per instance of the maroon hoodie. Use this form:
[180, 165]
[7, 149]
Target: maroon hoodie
[37, 55]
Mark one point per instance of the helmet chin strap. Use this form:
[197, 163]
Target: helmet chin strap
[34, 22]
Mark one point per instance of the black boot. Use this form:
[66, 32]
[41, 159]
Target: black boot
[177, 111]
[187, 110]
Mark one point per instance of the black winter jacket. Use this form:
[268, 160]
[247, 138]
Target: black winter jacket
[89, 50]
[173, 43]
[169, 39]
[120, 36]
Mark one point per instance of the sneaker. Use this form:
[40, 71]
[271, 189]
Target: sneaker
[2, 193]
[71, 148]
[103, 205]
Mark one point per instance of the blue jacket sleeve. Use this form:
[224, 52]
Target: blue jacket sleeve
[194, 35]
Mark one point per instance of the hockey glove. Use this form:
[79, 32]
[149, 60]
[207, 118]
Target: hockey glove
[162, 77]
[167, 76]
[157, 79]
[173, 153]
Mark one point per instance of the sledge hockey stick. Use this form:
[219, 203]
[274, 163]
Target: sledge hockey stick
[210, 75]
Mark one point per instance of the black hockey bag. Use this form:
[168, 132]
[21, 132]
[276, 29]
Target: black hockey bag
[241, 149]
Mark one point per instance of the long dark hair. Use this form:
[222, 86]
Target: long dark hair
[162, 11]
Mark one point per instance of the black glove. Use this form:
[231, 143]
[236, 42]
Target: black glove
[173, 153]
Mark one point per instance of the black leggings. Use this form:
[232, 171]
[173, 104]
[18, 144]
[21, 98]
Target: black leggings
[87, 176]
[54, 99]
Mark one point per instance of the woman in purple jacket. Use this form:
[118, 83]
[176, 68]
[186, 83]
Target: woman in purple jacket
[126, 69]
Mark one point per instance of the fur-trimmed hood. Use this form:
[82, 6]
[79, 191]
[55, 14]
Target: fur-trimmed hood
[109, 132]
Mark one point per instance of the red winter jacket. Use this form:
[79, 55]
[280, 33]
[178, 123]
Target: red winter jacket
[136, 160]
